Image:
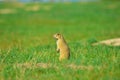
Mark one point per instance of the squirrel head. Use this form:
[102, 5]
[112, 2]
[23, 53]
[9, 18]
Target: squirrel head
[57, 36]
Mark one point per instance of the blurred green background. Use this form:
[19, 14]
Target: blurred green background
[26, 38]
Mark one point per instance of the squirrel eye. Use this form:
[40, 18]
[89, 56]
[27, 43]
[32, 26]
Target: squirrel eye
[58, 34]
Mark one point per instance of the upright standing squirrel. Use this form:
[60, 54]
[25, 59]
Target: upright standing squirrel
[62, 47]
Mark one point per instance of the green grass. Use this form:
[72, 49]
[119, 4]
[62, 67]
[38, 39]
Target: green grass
[26, 40]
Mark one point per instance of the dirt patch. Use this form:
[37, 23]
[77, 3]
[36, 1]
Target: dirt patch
[112, 6]
[81, 67]
[109, 42]
[19, 5]
[36, 65]
[32, 8]
[7, 11]
[55, 66]
[43, 65]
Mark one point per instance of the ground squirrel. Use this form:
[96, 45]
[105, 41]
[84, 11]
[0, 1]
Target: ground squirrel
[62, 47]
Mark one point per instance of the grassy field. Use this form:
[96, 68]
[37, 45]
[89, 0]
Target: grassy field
[28, 49]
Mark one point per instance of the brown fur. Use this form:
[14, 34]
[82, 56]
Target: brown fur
[62, 47]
